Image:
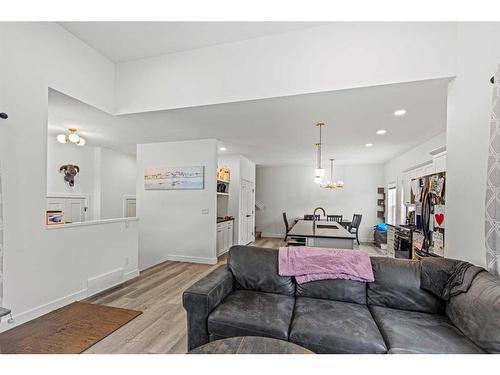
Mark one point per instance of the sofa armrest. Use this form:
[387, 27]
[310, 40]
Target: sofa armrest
[200, 299]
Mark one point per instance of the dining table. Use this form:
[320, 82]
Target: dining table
[321, 233]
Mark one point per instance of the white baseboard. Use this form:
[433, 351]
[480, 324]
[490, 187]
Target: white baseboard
[278, 235]
[43, 309]
[272, 235]
[183, 258]
[131, 274]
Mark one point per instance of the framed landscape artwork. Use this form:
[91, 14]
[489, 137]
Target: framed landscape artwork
[174, 178]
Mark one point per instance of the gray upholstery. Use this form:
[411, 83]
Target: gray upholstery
[325, 326]
[249, 313]
[338, 290]
[199, 301]
[393, 314]
[256, 268]
[477, 312]
[417, 332]
[397, 285]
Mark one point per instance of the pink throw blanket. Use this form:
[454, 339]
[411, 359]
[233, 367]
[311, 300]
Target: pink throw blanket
[316, 263]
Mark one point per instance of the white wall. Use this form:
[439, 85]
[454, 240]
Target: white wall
[172, 223]
[118, 179]
[292, 190]
[241, 169]
[331, 57]
[105, 176]
[47, 268]
[59, 154]
[469, 108]
[412, 158]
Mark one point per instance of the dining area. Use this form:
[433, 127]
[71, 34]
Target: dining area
[319, 229]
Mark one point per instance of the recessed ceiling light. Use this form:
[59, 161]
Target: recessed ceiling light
[400, 112]
[369, 144]
[381, 131]
[222, 149]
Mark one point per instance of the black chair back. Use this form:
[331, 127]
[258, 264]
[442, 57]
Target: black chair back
[286, 221]
[356, 221]
[311, 217]
[337, 218]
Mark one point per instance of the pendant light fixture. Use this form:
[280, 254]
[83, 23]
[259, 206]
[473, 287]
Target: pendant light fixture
[71, 137]
[319, 172]
[331, 184]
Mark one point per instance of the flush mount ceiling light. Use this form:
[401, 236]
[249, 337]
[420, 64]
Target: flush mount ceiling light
[381, 131]
[400, 112]
[222, 149]
[319, 172]
[331, 184]
[369, 144]
[72, 137]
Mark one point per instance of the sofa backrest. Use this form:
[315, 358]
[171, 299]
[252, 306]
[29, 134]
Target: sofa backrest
[338, 290]
[256, 268]
[397, 285]
[477, 312]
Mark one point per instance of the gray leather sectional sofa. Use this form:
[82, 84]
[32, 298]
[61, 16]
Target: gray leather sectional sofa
[394, 314]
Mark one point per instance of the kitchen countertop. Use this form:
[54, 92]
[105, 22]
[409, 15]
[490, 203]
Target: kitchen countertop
[304, 228]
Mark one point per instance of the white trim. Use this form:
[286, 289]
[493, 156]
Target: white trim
[438, 150]
[272, 235]
[182, 258]
[131, 274]
[423, 164]
[275, 235]
[93, 222]
[43, 309]
[60, 302]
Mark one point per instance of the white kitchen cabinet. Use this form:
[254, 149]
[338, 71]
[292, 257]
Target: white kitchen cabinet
[224, 236]
[439, 162]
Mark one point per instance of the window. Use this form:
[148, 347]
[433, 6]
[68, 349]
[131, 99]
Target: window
[391, 204]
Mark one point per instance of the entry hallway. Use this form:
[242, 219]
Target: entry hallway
[157, 292]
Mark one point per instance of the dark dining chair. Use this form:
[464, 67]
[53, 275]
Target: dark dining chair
[354, 227]
[287, 227]
[337, 218]
[311, 217]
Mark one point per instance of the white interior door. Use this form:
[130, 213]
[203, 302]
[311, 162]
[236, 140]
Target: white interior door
[247, 222]
[130, 207]
[73, 208]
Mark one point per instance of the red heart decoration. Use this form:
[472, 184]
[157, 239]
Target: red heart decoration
[439, 218]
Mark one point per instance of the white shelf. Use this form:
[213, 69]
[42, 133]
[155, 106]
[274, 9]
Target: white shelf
[223, 194]
[222, 181]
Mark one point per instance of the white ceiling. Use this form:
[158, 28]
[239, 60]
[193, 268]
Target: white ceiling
[277, 131]
[123, 41]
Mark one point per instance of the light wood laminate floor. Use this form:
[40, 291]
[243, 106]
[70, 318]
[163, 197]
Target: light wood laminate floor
[157, 292]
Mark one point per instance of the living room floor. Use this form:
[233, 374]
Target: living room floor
[157, 292]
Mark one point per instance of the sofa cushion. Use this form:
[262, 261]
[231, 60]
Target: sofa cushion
[417, 332]
[256, 268]
[338, 290]
[248, 313]
[397, 285]
[477, 312]
[325, 326]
